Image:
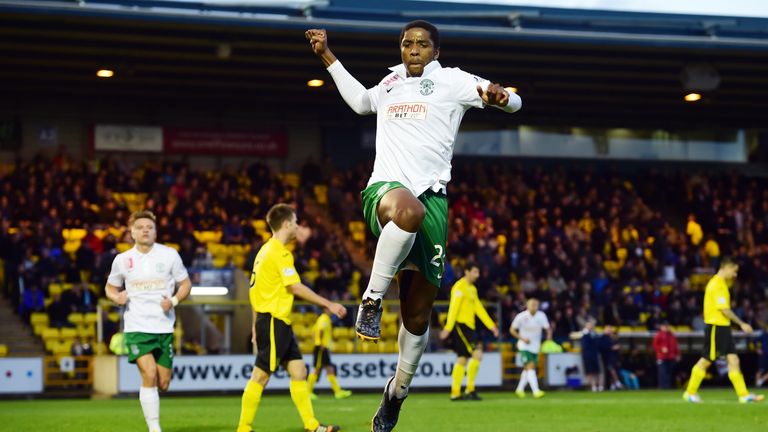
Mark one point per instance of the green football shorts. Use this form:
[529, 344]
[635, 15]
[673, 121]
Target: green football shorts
[428, 252]
[160, 345]
[529, 357]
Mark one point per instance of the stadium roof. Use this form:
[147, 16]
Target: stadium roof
[573, 67]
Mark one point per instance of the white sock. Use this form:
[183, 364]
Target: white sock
[523, 381]
[411, 348]
[150, 404]
[393, 246]
[533, 381]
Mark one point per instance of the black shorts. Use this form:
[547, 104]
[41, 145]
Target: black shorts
[464, 340]
[591, 363]
[275, 343]
[718, 342]
[321, 358]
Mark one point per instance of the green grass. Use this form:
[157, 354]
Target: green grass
[643, 411]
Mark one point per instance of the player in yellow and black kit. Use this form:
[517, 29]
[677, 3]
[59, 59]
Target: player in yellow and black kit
[717, 335]
[274, 282]
[464, 306]
[322, 356]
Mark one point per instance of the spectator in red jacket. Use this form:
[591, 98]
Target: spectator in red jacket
[667, 354]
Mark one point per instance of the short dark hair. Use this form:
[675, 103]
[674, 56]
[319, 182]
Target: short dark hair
[141, 214]
[278, 214]
[434, 34]
[470, 265]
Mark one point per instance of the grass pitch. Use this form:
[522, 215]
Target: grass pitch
[640, 411]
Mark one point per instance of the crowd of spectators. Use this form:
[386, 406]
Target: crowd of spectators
[621, 248]
[625, 250]
[41, 197]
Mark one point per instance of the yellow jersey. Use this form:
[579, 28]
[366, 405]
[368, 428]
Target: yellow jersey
[716, 298]
[273, 272]
[322, 330]
[465, 305]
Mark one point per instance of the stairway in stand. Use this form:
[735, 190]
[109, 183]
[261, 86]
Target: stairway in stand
[16, 335]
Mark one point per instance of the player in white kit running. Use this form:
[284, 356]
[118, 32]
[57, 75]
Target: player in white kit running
[527, 328]
[419, 106]
[144, 279]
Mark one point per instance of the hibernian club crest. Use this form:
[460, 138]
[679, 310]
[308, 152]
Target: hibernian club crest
[427, 86]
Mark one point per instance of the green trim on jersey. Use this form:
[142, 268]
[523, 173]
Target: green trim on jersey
[529, 357]
[160, 345]
[428, 252]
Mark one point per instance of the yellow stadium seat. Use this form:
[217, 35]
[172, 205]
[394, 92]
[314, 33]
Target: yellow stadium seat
[114, 316]
[207, 236]
[73, 234]
[50, 334]
[86, 331]
[442, 317]
[3, 350]
[38, 329]
[300, 330]
[387, 347]
[240, 249]
[356, 226]
[67, 333]
[63, 347]
[358, 236]
[76, 318]
[173, 245]
[100, 233]
[343, 346]
[389, 318]
[295, 317]
[218, 249]
[116, 232]
[54, 288]
[66, 286]
[310, 318]
[339, 333]
[90, 318]
[38, 318]
[389, 331]
[239, 261]
[260, 226]
[290, 179]
[123, 246]
[220, 262]
[368, 347]
[71, 246]
[306, 346]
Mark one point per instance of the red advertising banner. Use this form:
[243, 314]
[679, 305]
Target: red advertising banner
[226, 143]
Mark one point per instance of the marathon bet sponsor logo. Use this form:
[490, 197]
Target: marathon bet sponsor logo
[408, 110]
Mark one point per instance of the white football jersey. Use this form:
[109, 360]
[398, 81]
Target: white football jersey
[417, 119]
[530, 327]
[148, 278]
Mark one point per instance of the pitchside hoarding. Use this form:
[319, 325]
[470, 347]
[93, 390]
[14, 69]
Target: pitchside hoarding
[21, 375]
[354, 371]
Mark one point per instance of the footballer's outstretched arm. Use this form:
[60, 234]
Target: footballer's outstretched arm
[354, 93]
[302, 291]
